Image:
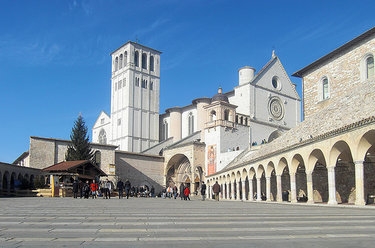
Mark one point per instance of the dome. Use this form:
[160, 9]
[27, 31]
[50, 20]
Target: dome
[219, 97]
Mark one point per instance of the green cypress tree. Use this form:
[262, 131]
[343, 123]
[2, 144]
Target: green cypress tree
[80, 148]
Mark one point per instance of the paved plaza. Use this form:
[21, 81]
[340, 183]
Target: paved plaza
[156, 222]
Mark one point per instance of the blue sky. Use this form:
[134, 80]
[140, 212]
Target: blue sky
[55, 54]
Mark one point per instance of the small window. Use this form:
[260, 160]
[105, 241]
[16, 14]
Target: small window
[144, 84]
[276, 83]
[116, 63]
[191, 123]
[136, 82]
[152, 63]
[125, 58]
[370, 67]
[325, 88]
[144, 61]
[226, 115]
[118, 122]
[151, 85]
[120, 63]
[136, 58]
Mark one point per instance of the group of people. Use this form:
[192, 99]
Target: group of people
[172, 192]
[92, 189]
[104, 188]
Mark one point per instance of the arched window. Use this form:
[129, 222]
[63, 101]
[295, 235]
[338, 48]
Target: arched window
[213, 115]
[191, 123]
[121, 61]
[325, 91]
[151, 85]
[144, 83]
[165, 130]
[102, 137]
[116, 63]
[97, 158]
[152, 63]
[144, 61]
[370, 67]
[125, 58]
[226, 115]
[136, 58]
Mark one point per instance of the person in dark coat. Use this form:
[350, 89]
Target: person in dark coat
[182, 187]
[216, 189]
[203, 191]
[120, 188]
[75, 189]
[128, 186]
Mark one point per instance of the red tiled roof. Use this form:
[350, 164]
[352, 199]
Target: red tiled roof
[66, 165]
[70, 166]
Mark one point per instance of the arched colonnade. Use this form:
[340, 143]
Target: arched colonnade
[335, 168]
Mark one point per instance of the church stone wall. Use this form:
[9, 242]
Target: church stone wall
[140, 169]
[343, 72]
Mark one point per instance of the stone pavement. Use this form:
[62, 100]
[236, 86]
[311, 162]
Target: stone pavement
[156, 222]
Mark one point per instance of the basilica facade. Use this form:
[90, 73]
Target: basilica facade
[201, 138]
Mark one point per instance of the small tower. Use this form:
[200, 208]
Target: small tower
[220, 116]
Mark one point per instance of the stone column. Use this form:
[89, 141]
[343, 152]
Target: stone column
[232, 191]
[259, 190]
[310, 189]
[251, 190]
[293, 187]
[243, 191]
[359, 184]
[268, 188]
[279, 196]
[331, 186]
[238, 198]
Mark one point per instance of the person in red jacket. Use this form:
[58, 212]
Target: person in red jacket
[186, 193]
[94, 189]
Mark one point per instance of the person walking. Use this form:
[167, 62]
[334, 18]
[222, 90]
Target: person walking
[182, 187]
[94, 189]
[175, 192]
[128, 186]
[75, 189]
[108, 188]
[86, 190]
[216, 189]
[120, 188]
[203, 191]
[187, 193]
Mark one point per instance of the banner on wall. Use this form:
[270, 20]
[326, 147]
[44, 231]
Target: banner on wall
[211, 158]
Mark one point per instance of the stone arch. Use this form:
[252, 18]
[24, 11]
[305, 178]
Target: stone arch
[282, 169]
[178, 170]
[271, 189]
[366, 151]
[245, 184]
[6, 182]
[341, 156]
[299, 169]
[261, 182]
[274, 135]
[252, 183]
[317, 163]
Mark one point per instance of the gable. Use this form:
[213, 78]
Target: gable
[102, 120]
[273, 78]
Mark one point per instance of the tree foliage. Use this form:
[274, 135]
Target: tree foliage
[80, 148]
